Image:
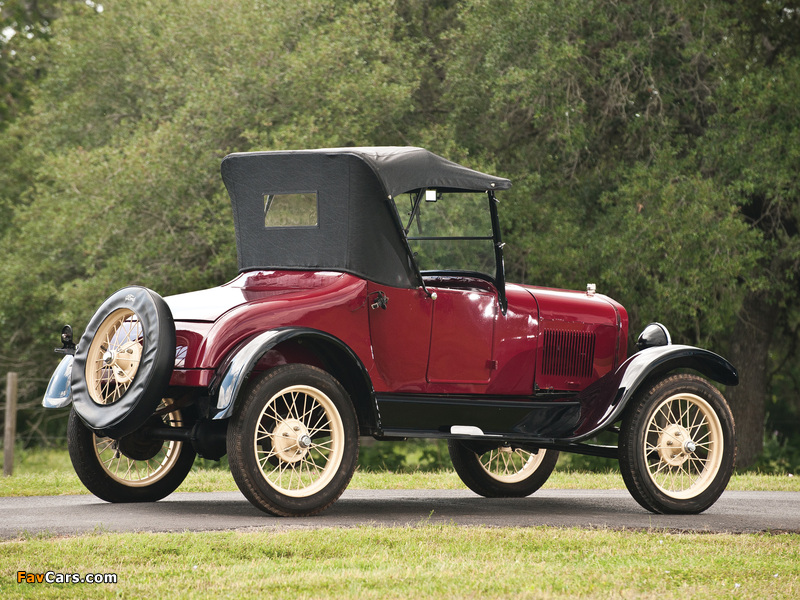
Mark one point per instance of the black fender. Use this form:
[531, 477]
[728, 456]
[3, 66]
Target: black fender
[240, 365]
[603, 402]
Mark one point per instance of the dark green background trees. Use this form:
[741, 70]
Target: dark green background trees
[653, 147]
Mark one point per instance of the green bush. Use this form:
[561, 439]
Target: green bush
[404, 457]
[780, 456]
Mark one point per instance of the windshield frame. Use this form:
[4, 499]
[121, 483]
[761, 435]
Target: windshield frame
[498, 280]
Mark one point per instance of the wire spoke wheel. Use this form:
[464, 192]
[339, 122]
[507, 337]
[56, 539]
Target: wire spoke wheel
[133, 468]
[299, 441]
[124, 362]
[293, 441]
[683, 446]
[140, 463]
[510, 465]
[677, 446]
[114, 356]
[501, 471]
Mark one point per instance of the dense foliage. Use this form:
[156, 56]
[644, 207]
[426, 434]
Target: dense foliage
[653, 148]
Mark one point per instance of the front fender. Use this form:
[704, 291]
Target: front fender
[59, 390]
[603, 402]
[248, 355]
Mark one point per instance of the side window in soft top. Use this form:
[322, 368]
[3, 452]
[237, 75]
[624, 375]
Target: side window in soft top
[291, 210]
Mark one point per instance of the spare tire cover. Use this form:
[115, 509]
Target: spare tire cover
[124, 362]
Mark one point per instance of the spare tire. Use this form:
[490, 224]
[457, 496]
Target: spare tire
[124, 362]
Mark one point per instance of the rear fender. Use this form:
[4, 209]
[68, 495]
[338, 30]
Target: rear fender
[248, 355]
[603, 402]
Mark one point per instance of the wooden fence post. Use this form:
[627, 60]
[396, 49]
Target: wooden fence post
[10, 430]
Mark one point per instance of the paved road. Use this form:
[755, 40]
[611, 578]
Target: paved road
[735, 512]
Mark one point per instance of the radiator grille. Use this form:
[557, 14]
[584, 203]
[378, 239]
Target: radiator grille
[568, 353]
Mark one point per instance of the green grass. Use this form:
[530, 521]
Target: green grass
[50, 473]
[426, 561]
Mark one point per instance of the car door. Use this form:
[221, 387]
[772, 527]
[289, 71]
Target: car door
[400, 332]
[462, 336]
[452, 241]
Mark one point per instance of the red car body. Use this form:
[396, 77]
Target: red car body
[548, 343]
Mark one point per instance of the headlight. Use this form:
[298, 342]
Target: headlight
[654, 334]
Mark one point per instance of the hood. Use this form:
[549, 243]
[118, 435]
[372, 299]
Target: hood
[566, 306]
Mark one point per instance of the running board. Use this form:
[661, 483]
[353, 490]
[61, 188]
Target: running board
[495, 417]
[473, 433]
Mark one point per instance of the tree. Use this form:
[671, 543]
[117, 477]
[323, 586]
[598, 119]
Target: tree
[24, 33]
[752, 151]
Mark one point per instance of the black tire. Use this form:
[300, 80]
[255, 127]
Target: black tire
[123, 362]
[501, 471]
[677, 446]
[129, 469]
[293, 441]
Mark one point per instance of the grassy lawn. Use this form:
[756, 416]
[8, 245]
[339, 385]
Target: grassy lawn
[49, 472]
[58, 482]
[424, 561]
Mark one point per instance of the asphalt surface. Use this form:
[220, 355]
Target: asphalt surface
[734, 512]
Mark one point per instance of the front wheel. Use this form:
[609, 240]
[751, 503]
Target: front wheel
[293, 441]
[501, 471]
[676, 447]
[132, 468]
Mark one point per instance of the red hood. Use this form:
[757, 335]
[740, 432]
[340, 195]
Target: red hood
[576, 307]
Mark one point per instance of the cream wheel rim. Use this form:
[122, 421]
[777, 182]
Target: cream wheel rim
[139, 473]
[114, 356]
[299, 441]
[683, 446]
[510, 465]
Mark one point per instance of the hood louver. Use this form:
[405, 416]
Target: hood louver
[568, 353]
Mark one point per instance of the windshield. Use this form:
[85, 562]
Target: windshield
[451, 233]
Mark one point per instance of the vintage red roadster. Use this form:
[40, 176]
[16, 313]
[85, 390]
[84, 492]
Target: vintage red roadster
[371, 300]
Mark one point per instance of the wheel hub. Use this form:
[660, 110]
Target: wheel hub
[124, 362]
[290, 441]
[675, 445]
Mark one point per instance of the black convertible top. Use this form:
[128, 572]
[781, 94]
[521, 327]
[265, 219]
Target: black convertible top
[358, 229]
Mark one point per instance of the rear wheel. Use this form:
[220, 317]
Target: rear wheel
[501, 471]
[293, 441]
[132, 468]
[677, 447]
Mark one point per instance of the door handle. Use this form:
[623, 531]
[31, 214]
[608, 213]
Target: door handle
[378, 300]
